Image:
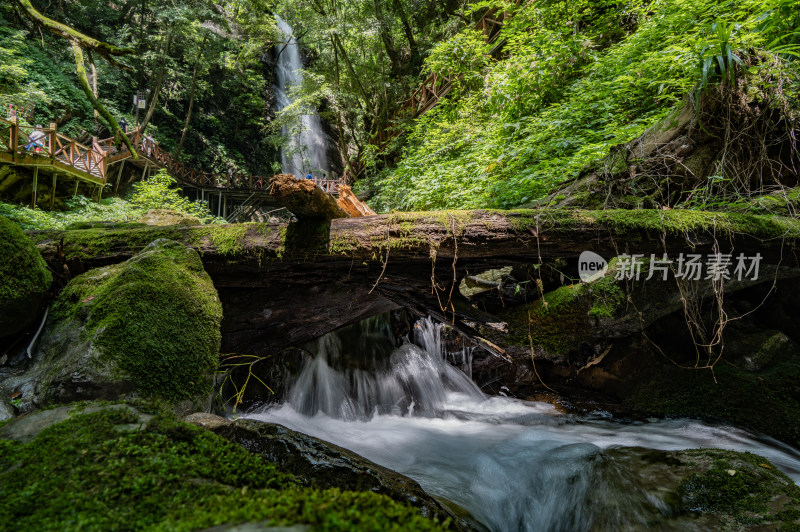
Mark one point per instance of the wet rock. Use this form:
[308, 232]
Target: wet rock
[27, 427]
[6, 410]
[168, 217]
[754, 350]
[325, 465]
[149, 327]
[207, 421]
[24, 279]
[640, 488]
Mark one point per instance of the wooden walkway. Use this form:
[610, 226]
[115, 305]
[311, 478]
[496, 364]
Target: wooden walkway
[93, 164]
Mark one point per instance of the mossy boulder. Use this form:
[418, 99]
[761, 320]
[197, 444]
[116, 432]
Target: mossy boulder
[24, 279]
[695, 489]
[112, 468]
[148, 327]
[168, 217]
[321, 464]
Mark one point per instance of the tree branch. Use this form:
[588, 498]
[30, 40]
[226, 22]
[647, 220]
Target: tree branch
[107, 51]
[80, 68]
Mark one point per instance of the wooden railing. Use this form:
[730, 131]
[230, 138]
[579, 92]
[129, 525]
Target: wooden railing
[21, 142]
[94, 160]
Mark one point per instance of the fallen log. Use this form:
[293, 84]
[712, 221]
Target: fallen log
[530, 234]
[285, 284]
[304, 199]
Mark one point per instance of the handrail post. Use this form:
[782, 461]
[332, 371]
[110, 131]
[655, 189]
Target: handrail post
[52, 139]
[14, 137]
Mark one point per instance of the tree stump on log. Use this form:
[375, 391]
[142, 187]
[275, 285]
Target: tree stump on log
[304, 199]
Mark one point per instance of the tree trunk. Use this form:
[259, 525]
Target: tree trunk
[474, 237]
[412, 43]
[386, 38]
[94, 85]
[304, 199]
[80, 69]
[159, 83]
[191, 99]
[285, 284]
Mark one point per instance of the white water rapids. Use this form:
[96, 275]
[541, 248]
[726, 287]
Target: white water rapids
[514, 465]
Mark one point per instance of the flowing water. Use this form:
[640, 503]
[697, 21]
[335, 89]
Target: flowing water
[514, 465]
[306, 149]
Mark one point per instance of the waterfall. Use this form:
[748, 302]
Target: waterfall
[306, 148]
[515, 466]
[373, 377]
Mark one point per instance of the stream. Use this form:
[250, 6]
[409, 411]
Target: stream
[514, 465]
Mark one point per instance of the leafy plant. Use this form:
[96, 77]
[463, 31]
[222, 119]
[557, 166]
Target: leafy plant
[159, 192]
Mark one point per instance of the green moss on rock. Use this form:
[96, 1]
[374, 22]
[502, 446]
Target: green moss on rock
[104, 471]
[154, 319]
[565, 318]
[24, 278]
[765, 400]
[743, 486]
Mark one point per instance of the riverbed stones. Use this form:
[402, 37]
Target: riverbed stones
[24, 279]
[149, 327]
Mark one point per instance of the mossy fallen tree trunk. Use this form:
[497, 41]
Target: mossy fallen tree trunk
[480, 234]
[284, 284]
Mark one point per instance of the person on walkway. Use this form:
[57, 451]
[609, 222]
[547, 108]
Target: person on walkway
[37, 139]
[123, 124]
[149, 144]
[309, 176]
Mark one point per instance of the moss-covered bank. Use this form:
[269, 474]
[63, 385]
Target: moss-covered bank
[101, 471]
[742, 486]
[152, 321]
[24, 278]
[765, 400]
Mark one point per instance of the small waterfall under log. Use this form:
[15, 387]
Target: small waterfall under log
[513, 465]
[412, 379]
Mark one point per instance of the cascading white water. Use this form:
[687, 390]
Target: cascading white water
[306, 148]
[514, 465]
[412, 380]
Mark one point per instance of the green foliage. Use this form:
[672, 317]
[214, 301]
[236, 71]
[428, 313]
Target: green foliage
[781, 27]
[224, 42]
[94, 473]
[156, 317]
[574, 80]
[158, 192]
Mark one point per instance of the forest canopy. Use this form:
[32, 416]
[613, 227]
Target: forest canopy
[562, 84]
